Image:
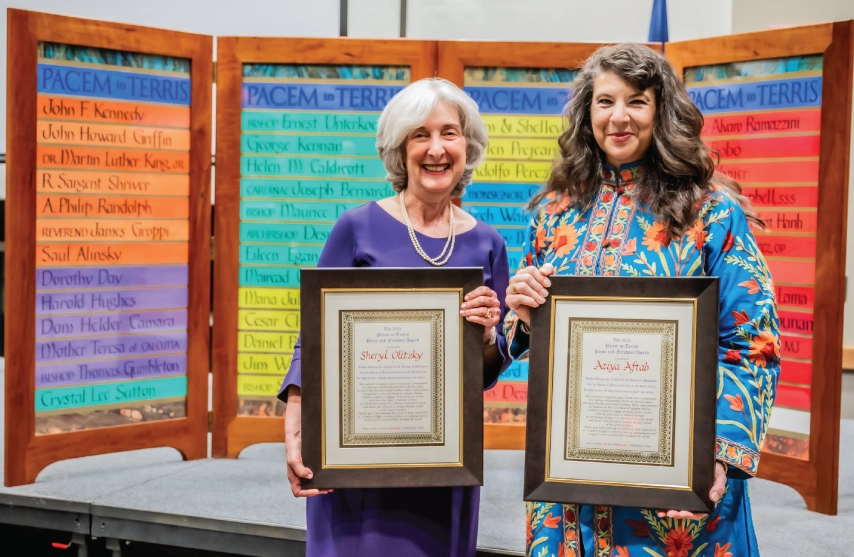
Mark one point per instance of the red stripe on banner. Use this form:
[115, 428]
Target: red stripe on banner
[789, 221]
[796, 347]
[786, 246]
[785, 121]
[795, 296]
[805, 196]
[796, 372]
[793, 397]
[792, 271]
[796, 322]
[766, 147]
[507, 391]
[770, 171]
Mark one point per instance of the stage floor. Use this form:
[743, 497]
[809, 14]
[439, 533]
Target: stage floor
[244, 506]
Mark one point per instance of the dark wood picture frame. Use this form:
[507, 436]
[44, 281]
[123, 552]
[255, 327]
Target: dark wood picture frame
[816, 479]
[403, 280]
[454, 57]
[27, 454]
[704, 291]
[233, 433]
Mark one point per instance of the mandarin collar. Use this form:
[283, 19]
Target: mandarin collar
[629, 172]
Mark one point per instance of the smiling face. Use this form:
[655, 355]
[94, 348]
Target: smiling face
[436, 153]
[622, 118]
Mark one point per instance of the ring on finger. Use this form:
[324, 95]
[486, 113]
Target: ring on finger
[489, 313]
[514, 289]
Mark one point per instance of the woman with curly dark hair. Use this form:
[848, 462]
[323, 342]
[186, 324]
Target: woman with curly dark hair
[635, 193]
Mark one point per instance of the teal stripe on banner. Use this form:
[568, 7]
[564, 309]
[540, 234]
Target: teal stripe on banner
[312, 122]
[518, 371]
[307, 144]
[321, 167]
[312, 190]
[110, 393]
[302, 211]
[280, 255]
[259, 232]
[253, 275]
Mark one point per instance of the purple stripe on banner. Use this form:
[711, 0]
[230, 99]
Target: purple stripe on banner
[56, 303]
[116, 277]
[131, 345]
[48, 328]
[102, 371]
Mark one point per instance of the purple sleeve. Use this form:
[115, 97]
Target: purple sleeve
[498, 279]
[339, 251]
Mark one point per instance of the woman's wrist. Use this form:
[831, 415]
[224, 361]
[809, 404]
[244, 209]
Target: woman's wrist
[492, 338]
[524, 327]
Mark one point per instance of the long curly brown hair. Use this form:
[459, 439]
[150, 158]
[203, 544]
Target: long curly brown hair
[680, 167]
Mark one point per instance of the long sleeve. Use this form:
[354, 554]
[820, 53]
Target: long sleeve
[339, 251]
[498, 279]
[749, 349]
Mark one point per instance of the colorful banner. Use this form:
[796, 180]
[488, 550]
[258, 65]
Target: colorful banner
[763, 119]
[112, 237]
[308, 155]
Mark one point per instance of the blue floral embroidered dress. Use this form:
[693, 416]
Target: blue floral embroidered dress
[619, 235]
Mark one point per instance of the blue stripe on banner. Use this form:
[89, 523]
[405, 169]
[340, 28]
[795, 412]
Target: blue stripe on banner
[485, 192]
[113, 84]
[758, 95]
[318, 96]
[519, 100]
[518, 371]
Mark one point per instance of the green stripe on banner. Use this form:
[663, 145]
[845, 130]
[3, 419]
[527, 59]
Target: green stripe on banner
[261, 232]
[321, 167]
[110, 393]
[299, 211]
[314, 189]
[302, 256]
[311, 122]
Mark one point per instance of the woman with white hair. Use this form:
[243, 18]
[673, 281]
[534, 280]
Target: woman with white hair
[430, 138]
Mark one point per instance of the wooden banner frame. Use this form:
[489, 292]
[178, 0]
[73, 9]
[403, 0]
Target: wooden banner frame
[815, 479]
[27, 454]
[232, 433]
[454, 57]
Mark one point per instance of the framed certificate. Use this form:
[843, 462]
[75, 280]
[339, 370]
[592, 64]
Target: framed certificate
[621, 393]
[392, 378]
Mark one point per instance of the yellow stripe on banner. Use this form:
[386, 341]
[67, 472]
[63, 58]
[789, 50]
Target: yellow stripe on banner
[517, 172]
[523, 126]
[268, 298]
[258, 385]
[264, 364]
[522, 149]
[267, 320]
[267, 343]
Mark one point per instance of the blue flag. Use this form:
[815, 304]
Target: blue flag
[658, 23]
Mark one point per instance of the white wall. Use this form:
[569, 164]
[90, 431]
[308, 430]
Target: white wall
[756, 15]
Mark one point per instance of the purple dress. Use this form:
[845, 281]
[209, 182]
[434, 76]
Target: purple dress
[428, 522]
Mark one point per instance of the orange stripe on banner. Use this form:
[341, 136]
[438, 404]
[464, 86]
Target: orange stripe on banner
[796, 347]
[789, 221]
[792, 271]
[118, 112]
[111, 207]
[61, 255]
[793, 397]
[507, 391]
[796, 372]
[797, 296]
[765, 147]
[112, 230]
[120, 160]
[786, 246]
[806, 196]
[776, 171]
[762, 122]
[111, 183]
[796, 322]
[111, 135]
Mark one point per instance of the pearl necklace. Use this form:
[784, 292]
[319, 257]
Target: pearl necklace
[452, 234]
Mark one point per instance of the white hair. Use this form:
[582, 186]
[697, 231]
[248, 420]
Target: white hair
[410, 109]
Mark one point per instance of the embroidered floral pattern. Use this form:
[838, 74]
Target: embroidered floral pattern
[619, 235]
